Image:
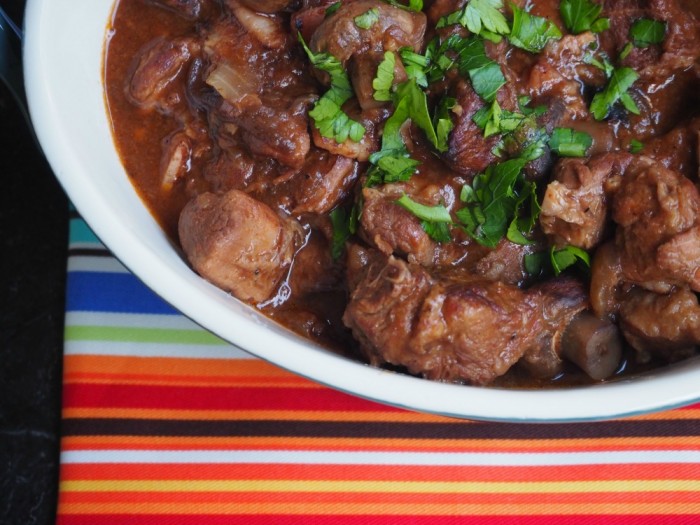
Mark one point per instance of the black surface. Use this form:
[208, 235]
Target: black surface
[33, 232]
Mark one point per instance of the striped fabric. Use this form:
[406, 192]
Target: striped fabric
[165, 424]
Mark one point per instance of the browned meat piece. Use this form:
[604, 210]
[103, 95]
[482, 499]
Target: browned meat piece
[363, 71]
[575, 204]
[560, 301]
[157, 66]
[231, 169]
[679, 149]
[559, 71]
[238, 243]
[307, 19]
[662, 325]
[383, 309]
[471, 331]
[314, 270]
[176, 158]
[322, 183]
[277, 132]
[340, 36]
[505, 262]
[469, 153]
[657, 212]
[393, 229]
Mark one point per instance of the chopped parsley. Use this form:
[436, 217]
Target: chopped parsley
[442, 122]
[481, 17]
[485, 74]
[530, 32]
[332, 9]
[341, 231]
[646, 32]
[494, 120]
[367, 19]
[328, 115]
[583, 15]
[556, 260]
[566, 257]
[616, 91]
[385, 78]
[491, 201]
[635, 146]
[415, 65]
[567, 142]
[435, 220]
[413, 5]
[525, 215]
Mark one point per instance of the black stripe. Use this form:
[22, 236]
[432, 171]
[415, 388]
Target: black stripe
[334, 429]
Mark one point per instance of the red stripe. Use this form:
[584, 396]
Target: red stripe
[213, 398]
[106, 519]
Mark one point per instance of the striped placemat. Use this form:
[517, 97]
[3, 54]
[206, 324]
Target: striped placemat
[163, 423]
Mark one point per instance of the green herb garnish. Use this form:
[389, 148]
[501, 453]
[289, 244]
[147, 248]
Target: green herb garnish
[328, 115]
[332, 9]
[367, 19]
[435, 220]
[616, 90]
[646, 32]
[567, 142]
[567, 257]
[583, 15]
[635, 146]
[481, 17]
[385, 78]
[530, 32]
[341, 231]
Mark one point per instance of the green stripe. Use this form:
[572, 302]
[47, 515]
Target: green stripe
[124, 334]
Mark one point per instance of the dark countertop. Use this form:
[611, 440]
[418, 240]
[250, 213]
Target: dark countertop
[33, 232]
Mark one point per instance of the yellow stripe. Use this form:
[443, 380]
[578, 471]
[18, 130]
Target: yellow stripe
[382, 509]
[407, 487]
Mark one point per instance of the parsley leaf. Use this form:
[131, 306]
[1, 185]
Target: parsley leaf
[491, 202]
[566, 257]
[522, 222]
[385, 78]
[555, 260]
[415, 65]
[485, 74]
[583, 15]
[332, 9]
[646, 32]
[443, 123]
[481, 17]
[341, 231]
[367, 19]
[329, 117]
[530, 32]
[493, 120]
[616, 90]
[435, 220]
[413, 5]
[635, 146]
[568, 142]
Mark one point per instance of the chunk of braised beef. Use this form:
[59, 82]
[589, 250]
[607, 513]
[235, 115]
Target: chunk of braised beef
[238, 243]
[665, 326]
[575, 204]
[657, 212]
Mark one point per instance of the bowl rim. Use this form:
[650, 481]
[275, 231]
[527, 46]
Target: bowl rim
[52, 76]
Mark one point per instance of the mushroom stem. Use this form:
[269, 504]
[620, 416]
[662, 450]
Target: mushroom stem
[593, 344]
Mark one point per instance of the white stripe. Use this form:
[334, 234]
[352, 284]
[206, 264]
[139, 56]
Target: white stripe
[223, 351]
[169, 322]
[380, 458]
[91, 263]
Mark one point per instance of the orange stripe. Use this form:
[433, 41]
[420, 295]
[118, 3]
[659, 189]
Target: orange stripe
[196, 498]
[375, 444]
[380, 508]
[233, 415]
[232, 471]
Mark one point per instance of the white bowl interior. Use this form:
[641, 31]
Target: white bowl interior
[63, 71]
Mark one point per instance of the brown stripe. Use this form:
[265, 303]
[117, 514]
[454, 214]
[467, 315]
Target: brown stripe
[141, 427]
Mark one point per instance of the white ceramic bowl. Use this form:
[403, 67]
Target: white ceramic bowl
[63, 53]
